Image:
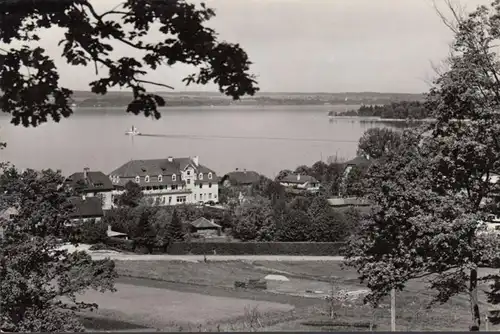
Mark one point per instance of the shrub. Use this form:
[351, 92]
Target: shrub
[93, 232]
[121, 244]
[257, 248]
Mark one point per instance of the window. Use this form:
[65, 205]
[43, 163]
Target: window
[201, 185]
[169, 199]
[188, 181]
[174, 177]
[200, 176]
[160, 178]
[195, 197]
[210, 185]
[137, 179]
[117, 179]
[210, 196]
[188, 172]
[181, 199]
[174, 187]
[146, 179]
[210, 176]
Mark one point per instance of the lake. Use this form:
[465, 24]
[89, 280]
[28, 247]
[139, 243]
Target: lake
[265, 139]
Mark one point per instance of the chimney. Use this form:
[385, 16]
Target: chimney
[85, 172]
[298, 177]
[109, 228]
[236, 168]
[170, 159]
[244, 170]
[196, 160]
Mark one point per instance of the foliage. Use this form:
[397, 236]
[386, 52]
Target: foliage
[131, 197]
[352, 185]
[375, 142]
[294, 225]
[92, 232]
[88, 39]
[282, 174]
[253, 220]
[143, 233]
[326, 224]
[40, 282]
[175, 229]
[394, 110]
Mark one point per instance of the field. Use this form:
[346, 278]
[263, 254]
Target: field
[198, 296]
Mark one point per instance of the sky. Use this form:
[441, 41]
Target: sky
[312, 45]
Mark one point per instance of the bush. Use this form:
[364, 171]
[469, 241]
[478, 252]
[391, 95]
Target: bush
[93, 232]
[257, 248]
[121, 244]
[99, 246]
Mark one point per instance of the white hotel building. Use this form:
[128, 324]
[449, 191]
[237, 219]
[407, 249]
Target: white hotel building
[169, 181]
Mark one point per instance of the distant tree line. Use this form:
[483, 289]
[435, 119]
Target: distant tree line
[394, 110]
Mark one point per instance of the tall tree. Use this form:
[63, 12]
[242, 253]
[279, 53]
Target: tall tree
[40, 282]
[253, 220]
[326, 224]
[175, 229]
[31, 91]
[295, 225]
[376, 142]
[131, 197]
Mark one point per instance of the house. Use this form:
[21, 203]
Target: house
[240, 178]
[169, 181]
[300, 182]
[86, 208]
[93, 184]
[360, 162]
[205, 227]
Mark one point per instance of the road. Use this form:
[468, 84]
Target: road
[200, 258]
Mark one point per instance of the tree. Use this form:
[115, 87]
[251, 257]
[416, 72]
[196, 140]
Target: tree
[88, 39]
[143, 233]
[254, 220]
[131, 197]
[282, 174]
[376, 142]
[302, 170]
[92, 232]
[175, 228]
[300, 203]
[326, 224]
[352, 185]
[40, 282]
[422, 226]
[294, 225]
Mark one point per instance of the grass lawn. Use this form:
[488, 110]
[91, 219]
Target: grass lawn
[163, 308]
[217, 279]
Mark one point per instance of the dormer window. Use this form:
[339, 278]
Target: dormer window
[137, 179]
[210, 176]
[117, 179]
[160, 178]
[146, 179]
[174, 177]
[200, 176]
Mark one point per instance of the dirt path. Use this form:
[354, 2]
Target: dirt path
[200, 258]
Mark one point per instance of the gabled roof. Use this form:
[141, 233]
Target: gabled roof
[154, 167]
[299, 179]
[89, 207]
[242, 177]
[359, 161]
[95, 181]
[202, 222]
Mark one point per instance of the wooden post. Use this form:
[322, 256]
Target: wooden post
[393, 310]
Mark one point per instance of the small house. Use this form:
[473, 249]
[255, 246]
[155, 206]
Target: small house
[86, 208]
[240, 178]
[300, 182]
[205, 227]
[93, 184]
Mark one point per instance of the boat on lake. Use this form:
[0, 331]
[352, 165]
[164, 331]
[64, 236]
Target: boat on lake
[132, 132]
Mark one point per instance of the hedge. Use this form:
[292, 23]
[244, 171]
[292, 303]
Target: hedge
[257, 248]
[240, 248]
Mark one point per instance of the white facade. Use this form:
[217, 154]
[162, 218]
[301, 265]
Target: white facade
[190, 183]
[106, 198]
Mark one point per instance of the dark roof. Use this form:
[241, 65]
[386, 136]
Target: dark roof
[202, 222]
[242, 177]
[359, 161]
[299, 179]
[89, 207]
[163, 167]
[95, 181]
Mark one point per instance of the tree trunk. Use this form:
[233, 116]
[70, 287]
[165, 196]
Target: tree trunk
[474, 302]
